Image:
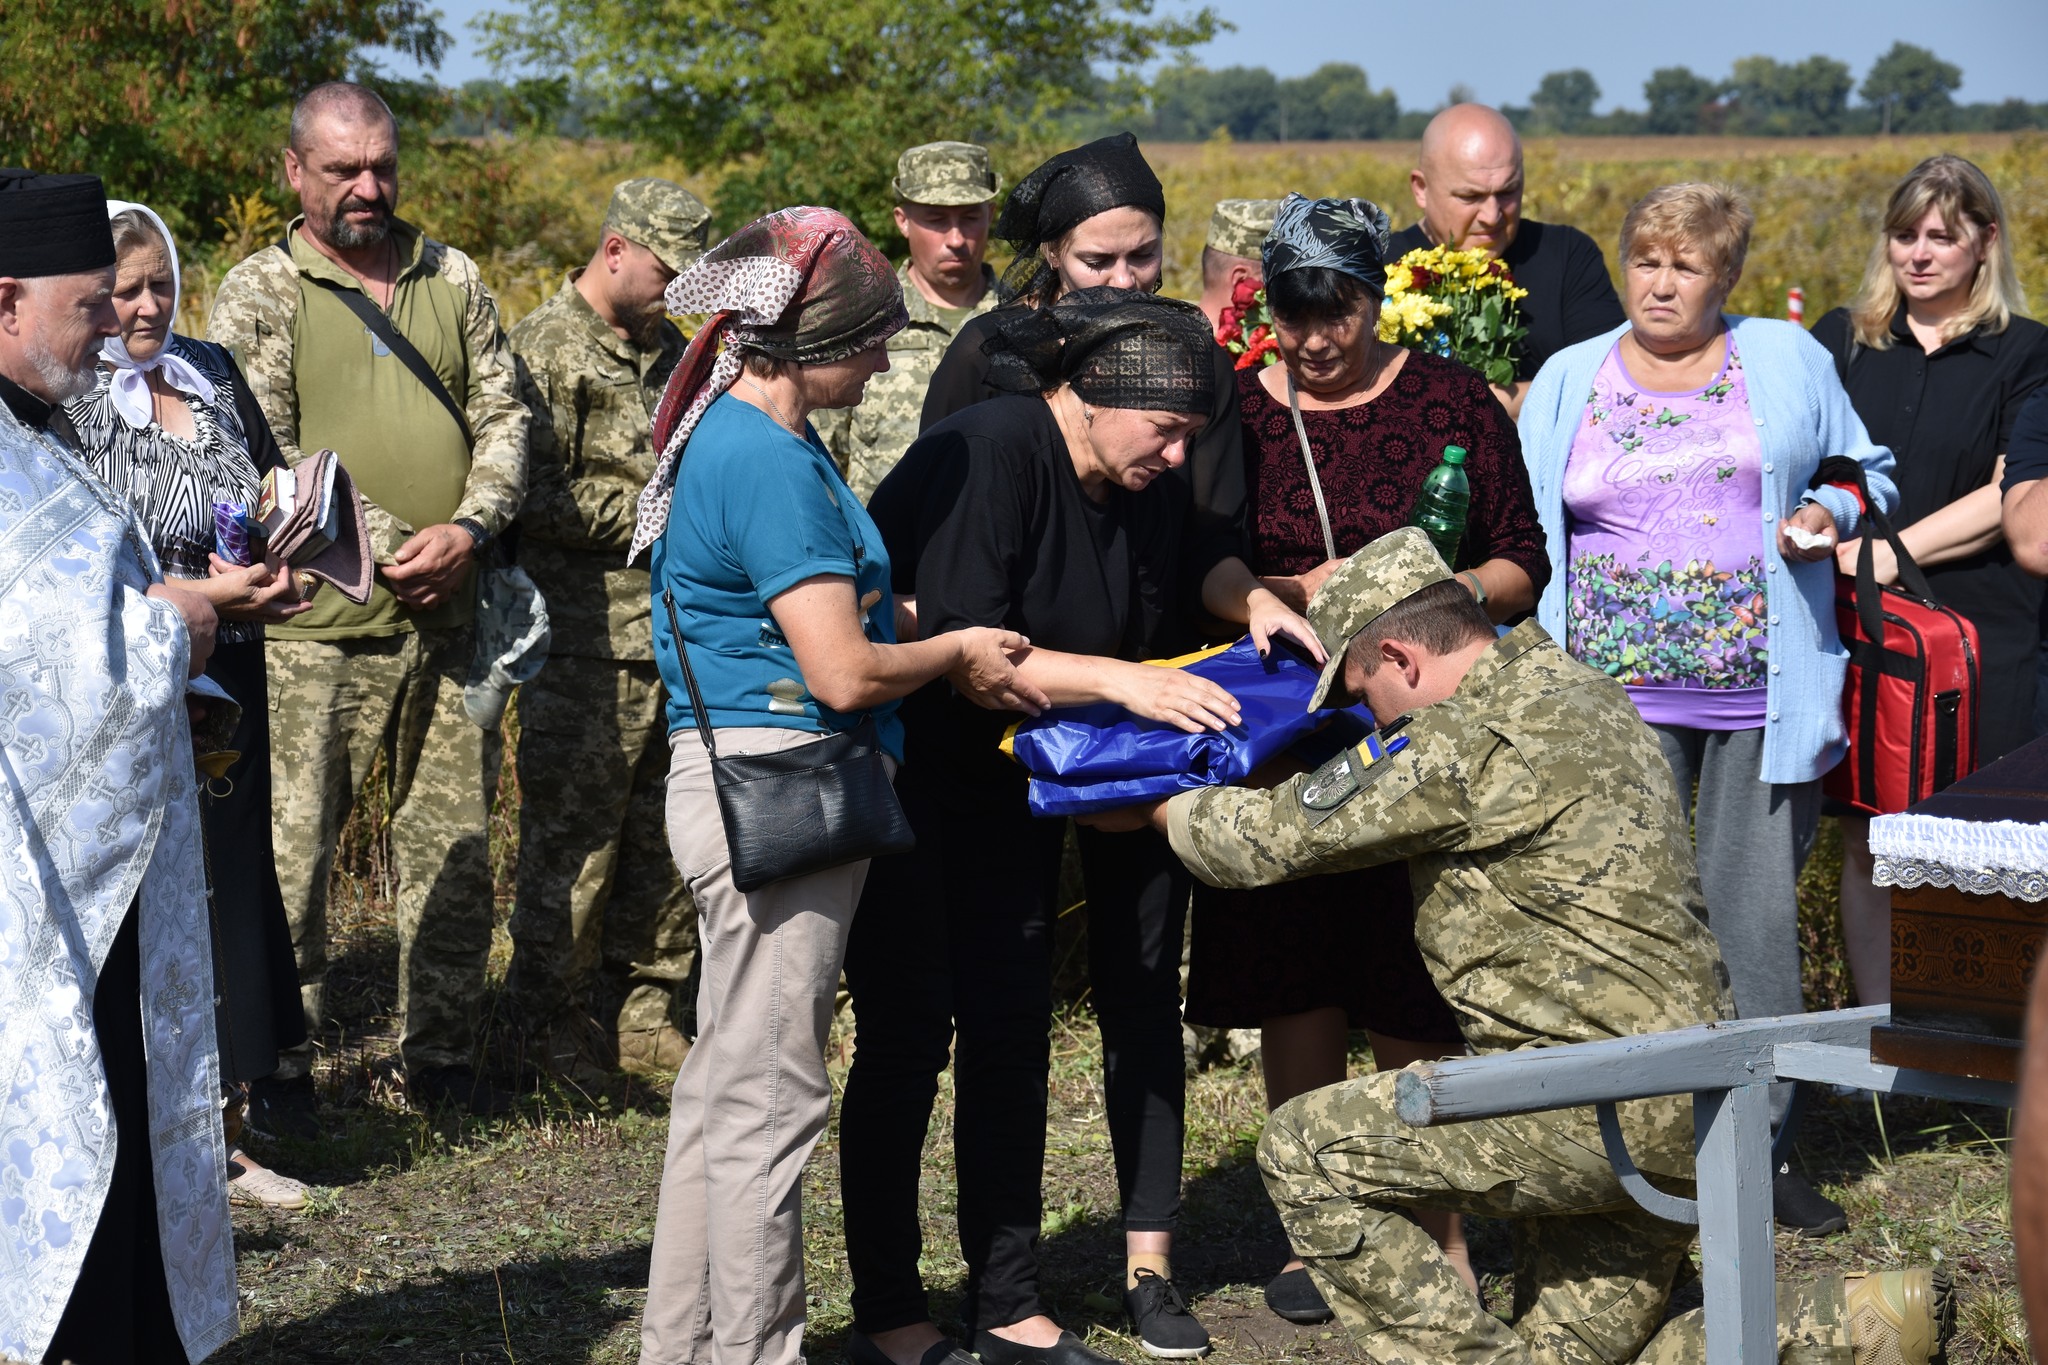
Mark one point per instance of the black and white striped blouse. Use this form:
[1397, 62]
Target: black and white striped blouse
[173, 481]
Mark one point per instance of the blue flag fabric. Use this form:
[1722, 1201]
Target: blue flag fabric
[1100, 756]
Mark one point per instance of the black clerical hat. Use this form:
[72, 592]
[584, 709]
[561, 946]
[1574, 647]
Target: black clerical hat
[52, 224]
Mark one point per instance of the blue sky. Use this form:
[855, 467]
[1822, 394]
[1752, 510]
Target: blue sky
[1501, 49]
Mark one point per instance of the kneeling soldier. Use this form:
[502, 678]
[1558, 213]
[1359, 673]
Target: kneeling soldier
[1557, 902]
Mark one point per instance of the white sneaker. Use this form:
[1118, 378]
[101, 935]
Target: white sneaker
[255, 1186]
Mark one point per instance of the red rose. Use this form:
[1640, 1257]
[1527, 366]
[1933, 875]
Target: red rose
[1423, 281]
[1230, 331]
[1246, 293]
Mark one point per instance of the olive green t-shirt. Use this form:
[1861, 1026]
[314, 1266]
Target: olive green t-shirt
[397, 441]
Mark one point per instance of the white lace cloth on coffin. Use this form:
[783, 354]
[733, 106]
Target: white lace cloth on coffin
[2002, 857]
[757, 290]
[99, 811]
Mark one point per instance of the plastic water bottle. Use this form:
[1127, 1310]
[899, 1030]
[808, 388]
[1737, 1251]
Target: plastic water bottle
[1446, 497]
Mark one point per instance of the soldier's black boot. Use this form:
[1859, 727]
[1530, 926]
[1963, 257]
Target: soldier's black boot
[1801, 1208]
[1293, 1295]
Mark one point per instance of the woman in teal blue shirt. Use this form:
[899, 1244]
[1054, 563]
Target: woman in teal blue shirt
[770, 568]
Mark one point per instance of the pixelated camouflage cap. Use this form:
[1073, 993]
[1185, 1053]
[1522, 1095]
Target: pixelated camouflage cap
[1238, 227]
[949, 174]
[1399, 564]
[663, 217]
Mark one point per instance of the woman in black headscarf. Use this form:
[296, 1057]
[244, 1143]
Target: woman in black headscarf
[1051, 511]
[1095, 216]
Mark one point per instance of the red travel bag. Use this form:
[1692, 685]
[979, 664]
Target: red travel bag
[1910, 703]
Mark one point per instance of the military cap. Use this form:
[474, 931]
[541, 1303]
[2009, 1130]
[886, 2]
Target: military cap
[949, 174]
[663, 217]
[1238, 227]
[1397, 565]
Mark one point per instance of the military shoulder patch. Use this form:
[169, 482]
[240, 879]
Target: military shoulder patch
[1337, 781]
[1331, 785]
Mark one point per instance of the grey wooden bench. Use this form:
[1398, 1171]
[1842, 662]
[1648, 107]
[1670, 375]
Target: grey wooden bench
[1725, 1067]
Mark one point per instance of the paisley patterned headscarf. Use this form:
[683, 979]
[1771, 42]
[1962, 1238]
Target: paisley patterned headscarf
[1349, 236]
[801, 285]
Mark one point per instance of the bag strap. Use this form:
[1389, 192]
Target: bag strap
[1838, 469]
[378, 322]
[1308, 458]
[675, 628]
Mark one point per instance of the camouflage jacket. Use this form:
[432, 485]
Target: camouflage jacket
[592, 394]
[868, 440]
[1557, 900]
[257, 315]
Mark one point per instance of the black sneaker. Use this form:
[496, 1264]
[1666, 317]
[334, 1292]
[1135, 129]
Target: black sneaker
[283, 1109]
[1292, 1294]
[458, 1088]
[1161, 1320]
[1801, 1208]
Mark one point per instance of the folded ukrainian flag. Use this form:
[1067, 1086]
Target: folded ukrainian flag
[1099, 757]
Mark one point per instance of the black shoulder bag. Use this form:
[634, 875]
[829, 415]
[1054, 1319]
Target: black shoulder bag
[802, 810]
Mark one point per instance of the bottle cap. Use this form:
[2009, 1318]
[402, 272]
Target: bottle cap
[1454, 454]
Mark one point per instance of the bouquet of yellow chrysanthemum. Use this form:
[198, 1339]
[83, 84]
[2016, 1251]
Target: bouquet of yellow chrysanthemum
[1464, 305]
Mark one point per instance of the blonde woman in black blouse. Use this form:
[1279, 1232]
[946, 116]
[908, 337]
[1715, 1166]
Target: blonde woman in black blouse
[1938, 360]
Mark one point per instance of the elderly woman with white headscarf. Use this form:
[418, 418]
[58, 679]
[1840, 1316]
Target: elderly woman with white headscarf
[171, 424]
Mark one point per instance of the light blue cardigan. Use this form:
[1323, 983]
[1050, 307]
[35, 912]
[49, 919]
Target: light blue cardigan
[1802, 414]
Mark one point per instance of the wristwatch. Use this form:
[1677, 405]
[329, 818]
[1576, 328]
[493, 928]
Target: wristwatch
[476, 531]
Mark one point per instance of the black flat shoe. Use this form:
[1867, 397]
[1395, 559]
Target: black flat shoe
[861, 1350]
[1293, 1295]
[1161, 1321]
[1068, 1350]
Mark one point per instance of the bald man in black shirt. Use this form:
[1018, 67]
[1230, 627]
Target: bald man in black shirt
[1468, 184]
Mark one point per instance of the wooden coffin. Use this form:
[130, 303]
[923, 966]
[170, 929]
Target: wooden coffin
[1962, 959]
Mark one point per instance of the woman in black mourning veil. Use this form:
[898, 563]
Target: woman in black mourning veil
[1056, 508]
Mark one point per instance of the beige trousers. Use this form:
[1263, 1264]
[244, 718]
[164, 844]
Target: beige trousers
[727, 1282]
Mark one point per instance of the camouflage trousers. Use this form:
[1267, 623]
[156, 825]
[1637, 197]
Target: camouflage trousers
[334, 706]
[1593, 1272]
[602, 922]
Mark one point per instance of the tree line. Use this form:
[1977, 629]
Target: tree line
[1907, 90]
[185, 105]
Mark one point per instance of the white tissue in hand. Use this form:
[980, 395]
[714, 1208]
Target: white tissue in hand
[1805, 539]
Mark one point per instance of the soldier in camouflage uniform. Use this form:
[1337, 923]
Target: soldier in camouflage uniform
[1557, 902]
[944, 193]
[440, 475]
[604, 937]
[1230, 253]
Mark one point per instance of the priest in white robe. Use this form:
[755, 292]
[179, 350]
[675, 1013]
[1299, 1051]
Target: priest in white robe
[115, 1244]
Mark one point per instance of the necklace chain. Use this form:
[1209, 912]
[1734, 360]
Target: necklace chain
[773, 406]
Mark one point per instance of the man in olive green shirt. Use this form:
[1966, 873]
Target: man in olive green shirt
[603, 933]
[348, 683]
[944, 196]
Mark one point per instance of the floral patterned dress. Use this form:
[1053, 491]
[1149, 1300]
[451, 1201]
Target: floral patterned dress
[1664, 547]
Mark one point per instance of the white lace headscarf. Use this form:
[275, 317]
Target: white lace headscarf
[129, 389]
